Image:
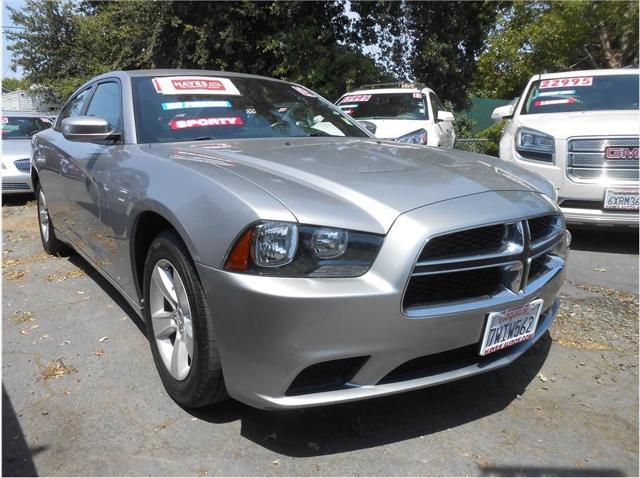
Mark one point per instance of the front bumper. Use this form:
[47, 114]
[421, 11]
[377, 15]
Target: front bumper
[599, 217]
[16, 182]
[270, 328]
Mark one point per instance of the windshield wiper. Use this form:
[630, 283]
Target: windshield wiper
[203, 138]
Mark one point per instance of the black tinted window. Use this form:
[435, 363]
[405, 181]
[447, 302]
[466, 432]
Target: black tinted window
[22, 127]
[186, 108]
[74, 107]
[582, 93]
[106, 103]
[408, 106]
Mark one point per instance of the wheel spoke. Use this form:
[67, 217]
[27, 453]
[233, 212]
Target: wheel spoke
[163, 280]
[179, 359]
[163, 324]
[181, 294]
[188, 335]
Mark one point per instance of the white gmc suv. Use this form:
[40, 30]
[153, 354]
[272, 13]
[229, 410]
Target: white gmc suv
[580, 130]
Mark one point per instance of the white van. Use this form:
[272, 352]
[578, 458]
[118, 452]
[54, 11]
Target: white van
[405, 112]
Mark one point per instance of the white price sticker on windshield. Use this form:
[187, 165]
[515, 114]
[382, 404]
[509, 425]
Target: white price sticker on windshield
[194, 85]
[562, 82]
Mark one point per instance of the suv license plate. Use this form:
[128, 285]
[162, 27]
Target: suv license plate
[621, 199]
[510, 327]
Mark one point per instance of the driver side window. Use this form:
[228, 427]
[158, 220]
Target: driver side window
[106, 103]
[74, 107]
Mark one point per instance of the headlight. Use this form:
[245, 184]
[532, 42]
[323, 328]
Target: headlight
[416, 137]
[290, 250]
[532, 144]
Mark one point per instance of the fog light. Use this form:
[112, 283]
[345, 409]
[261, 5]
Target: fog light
[329, 243]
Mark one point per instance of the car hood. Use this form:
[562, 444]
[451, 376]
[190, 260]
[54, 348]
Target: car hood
[587, 123]
[393, 128]
[13, 149]
[362, 184]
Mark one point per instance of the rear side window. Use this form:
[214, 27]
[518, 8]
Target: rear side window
[74, 107]
[107, 103]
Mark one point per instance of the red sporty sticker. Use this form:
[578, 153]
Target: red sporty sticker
[417, 95]
[200, 85]
[561, 101]
[205, 122]
[562, 82]
[355, 98]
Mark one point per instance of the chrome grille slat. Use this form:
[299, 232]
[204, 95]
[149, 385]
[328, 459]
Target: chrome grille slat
[523, 242]
[586, 160]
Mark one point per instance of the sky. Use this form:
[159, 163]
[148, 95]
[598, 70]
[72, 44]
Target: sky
[6, 22]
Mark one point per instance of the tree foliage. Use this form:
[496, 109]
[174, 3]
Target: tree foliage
[64, 44]
[535, 37]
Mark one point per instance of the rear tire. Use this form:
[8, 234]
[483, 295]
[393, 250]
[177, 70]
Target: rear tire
[51, 244]
[180, 328]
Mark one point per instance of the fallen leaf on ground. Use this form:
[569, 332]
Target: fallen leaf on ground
[21, 317]
[542, 377]
[28, 329]
[102, 339]
[57, 368]
[600, 269]
[100, 353]
[276, 462]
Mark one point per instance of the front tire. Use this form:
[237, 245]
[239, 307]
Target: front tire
[180, 328]
[51, 244]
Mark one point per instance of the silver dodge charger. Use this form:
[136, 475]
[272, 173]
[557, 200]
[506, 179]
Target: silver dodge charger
[281, 255]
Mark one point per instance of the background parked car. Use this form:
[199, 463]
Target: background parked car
[579, 129]
[407, 112]
[17, 129]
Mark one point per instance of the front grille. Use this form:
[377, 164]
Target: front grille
[586, 160]
[14, 186]
[451, 286]
[325, 376]
[23, 165]
[481, 240]
[537, 267]
[480, 262]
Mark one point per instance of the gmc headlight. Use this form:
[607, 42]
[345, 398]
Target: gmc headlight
[534, 145]
[416, 137]
[290, 250]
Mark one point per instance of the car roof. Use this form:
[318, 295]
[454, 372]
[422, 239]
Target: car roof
[180, 72]
[572, 74]
[377, 91]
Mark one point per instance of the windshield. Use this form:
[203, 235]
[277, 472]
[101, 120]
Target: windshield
[188, 108]
[23, 127]
[408, 106]
[582, 93]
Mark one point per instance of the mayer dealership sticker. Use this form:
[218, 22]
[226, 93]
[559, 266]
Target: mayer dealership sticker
[560, 82]
[196, 85]
[205, 122]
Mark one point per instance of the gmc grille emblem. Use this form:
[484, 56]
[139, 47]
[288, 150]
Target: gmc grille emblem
[614, 152]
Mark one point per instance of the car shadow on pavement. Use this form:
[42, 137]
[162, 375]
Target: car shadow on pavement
[547, 471]
[110, 290]
[16, 454]
[17, 199]
[616, 241]
[375, 422]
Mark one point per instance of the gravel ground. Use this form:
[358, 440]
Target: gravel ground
[81, 395]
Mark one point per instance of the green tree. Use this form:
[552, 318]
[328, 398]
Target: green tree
[14, 84]
[298, 41]
[432, 42]
[535, 37]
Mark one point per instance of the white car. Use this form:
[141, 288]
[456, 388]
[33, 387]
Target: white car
[16, 129]
[579, 129]
[405, 112]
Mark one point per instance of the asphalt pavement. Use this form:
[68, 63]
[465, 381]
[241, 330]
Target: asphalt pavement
[81, 395]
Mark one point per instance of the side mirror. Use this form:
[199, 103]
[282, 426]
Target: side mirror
[503, 112]
[370, 126]
[445, 116]
[86, 129]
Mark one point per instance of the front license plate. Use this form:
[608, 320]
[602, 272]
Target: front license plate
[621, 199]
[510, 327]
